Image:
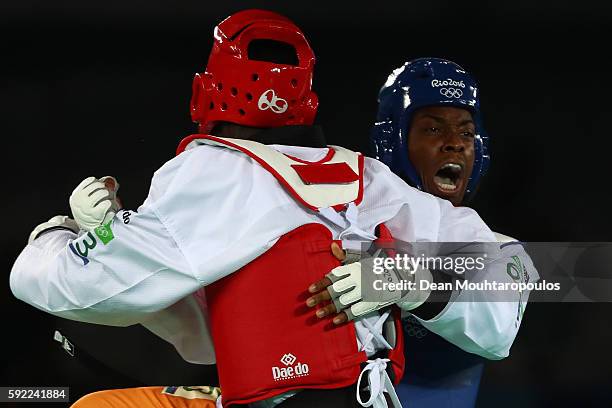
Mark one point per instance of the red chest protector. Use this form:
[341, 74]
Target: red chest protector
[266, 340]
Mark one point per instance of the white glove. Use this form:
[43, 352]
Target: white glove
[346, 291]
[93, 204]
[57, 222]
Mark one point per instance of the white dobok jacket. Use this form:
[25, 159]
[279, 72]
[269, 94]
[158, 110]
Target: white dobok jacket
[210, 211]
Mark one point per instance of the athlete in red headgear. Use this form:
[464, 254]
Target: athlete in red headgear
[252, 204]
[240, 89]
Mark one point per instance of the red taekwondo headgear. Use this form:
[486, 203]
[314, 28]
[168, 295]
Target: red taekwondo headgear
[251, 92]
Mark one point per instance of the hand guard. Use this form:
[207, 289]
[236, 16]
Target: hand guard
[346, 291]
[57, 222]
[93, 204]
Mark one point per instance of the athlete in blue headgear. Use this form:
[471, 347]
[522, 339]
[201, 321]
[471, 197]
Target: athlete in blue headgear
[429, 132]
[429, 117]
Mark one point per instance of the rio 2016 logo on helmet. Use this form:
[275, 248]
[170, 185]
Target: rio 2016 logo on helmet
[417, 84]
[253, 92]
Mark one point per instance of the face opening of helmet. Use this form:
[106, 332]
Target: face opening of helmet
[441, 149]
[273, 51]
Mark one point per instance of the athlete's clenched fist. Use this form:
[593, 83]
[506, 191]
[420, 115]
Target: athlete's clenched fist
[94, 202]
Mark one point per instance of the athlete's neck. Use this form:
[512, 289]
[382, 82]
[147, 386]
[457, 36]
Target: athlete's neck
[297, 135]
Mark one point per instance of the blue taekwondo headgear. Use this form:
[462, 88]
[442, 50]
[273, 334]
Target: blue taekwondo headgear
[417, 84]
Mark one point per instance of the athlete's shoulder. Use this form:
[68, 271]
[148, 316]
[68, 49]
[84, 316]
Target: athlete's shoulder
[374, 166]
[193, 167]
[162, 178]
[380, 180]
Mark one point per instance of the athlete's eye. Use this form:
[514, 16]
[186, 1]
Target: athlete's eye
[432, 130]
[468, 133]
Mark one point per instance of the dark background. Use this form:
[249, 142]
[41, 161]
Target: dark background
[96, 88]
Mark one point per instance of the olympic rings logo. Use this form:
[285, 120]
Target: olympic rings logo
[102, 232]
[451, 92]
[414, 329]
[269, 100]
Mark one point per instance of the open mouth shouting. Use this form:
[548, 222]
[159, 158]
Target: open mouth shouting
[449, 178]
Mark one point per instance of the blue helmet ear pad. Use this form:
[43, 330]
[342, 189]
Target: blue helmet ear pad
[382, 143]
[392, 151]
[476, 170]
[481, 155]
[403, 166]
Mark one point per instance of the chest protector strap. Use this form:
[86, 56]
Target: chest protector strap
[334, 181]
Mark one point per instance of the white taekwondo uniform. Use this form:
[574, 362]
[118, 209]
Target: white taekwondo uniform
[210, 211]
